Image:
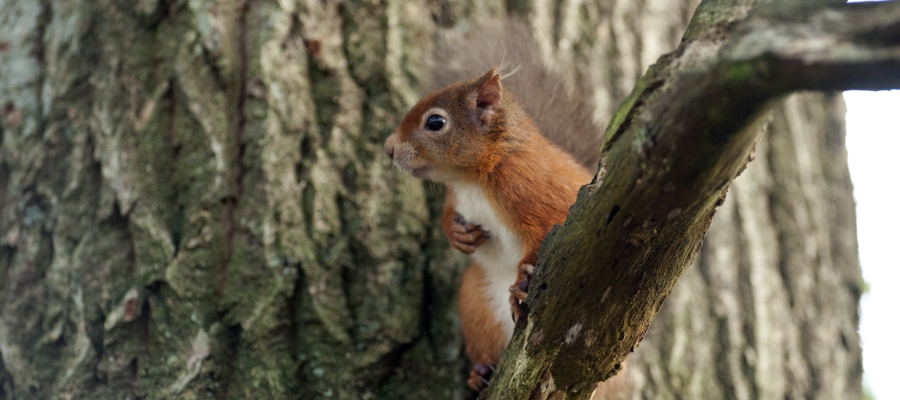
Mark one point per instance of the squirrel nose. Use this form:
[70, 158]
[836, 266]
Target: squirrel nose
[389, 146]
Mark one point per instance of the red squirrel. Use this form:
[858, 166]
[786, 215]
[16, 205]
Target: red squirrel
[507, 185]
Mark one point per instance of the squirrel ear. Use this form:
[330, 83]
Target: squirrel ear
[489, 89]
[485, 96]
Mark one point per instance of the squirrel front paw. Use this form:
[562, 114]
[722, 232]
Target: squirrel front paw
[518, 293]
[464, 236]
[480, 376]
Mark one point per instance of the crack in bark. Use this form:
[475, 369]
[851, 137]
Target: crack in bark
[40, 54]
[7, 385]
[237, 90]
[745, 299]
[236, 131]
[176, 224]
[233, 342]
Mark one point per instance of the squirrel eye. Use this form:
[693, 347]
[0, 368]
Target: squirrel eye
[435, 123]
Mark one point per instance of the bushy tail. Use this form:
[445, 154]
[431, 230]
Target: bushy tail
[563, 114]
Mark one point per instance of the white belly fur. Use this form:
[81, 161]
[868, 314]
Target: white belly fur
[499, 256]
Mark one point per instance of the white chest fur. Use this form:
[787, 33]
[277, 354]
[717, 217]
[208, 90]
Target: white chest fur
[499, 256]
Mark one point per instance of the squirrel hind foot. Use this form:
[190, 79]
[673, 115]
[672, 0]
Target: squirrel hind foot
[518, 294]
[480, 376]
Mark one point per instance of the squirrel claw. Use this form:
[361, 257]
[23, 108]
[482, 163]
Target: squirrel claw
[480, 376]
[518, 293]
[466, 237]
[518, 310]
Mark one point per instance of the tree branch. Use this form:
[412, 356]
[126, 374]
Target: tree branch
[671, 152]
[789, 47]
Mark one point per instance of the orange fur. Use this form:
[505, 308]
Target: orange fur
[449, 211]
[491, 144]
[485, 339]
[534, 190]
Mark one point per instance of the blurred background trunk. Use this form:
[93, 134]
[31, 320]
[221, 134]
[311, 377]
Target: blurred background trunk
[194, 203]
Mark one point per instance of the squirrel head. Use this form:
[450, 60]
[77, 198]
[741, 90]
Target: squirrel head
[453, 133]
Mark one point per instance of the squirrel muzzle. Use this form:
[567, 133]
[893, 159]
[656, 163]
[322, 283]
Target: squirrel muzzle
[405, 157]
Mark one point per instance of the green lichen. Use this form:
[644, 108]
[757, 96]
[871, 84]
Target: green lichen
[623, 113]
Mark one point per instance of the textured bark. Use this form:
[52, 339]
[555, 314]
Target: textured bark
[769, 308]
[194, 203]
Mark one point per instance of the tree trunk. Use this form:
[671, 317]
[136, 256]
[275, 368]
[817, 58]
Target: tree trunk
[194, 202]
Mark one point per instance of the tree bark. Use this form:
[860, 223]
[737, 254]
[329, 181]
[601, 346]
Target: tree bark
[194, 203]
